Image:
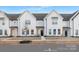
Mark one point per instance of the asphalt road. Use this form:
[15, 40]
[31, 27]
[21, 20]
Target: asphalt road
[39, 48]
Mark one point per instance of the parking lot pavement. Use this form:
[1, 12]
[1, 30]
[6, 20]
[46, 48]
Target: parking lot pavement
[39, 48]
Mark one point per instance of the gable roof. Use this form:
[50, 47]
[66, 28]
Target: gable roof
[40, 16]
[66, 16]
[75, 14]
[13, 16]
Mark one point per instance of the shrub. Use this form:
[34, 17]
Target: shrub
[25, 42]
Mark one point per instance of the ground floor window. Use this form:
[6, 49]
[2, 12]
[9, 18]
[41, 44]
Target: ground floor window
[32, 31]
[0, 32]
[58, 31]
[23, 32]
[5, 32]
[49, 31]
[27, 32]
[76, 32]
[54, 31]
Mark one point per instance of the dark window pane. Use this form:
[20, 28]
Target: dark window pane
[0, 32]
[32, 31]
[54, 31]
[27, 31]
[50, 31]
[5, 32]
[58, 31]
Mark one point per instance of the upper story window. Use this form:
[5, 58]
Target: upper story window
[3, 23]
[2, 20]
[15, 22]
[46, 19]
[54, 20]
[27, 22]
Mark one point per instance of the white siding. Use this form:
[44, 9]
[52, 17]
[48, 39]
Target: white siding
[13, 23]
[51, 26]
[76, 25]
[66, 24]
[6, 24]
[21, 21]
[71, 27]
[39, 23]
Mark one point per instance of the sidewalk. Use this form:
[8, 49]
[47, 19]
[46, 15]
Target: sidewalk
[40, 40]
[53, 41]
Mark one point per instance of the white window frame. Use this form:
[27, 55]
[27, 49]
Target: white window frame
[54, 20]
[27, 22]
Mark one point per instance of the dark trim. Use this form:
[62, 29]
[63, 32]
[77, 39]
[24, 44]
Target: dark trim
[27, 36]
[53, 36]
[13, 26]
[39, 26]
[75, 16]
[5, 36]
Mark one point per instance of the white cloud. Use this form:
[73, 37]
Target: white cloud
[39, 2]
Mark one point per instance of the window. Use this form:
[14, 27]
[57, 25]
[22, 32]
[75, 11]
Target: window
[27, 22]
[54, 20]
[1, 18]
[49, 31]
[14, 22]
[32, 31]
[54, 31]
[0, 32]
[76, 32]
[23, 32]
[5, 32]
[58, 31]
[27, 32]
[3, 23]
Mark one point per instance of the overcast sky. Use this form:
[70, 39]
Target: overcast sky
[39, 9]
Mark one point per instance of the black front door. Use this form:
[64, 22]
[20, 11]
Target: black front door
[41, 32]
[66, 34]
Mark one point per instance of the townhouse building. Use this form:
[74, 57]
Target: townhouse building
[39, 24]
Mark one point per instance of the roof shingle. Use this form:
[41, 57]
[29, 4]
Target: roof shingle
[40, 16]
[13, 16]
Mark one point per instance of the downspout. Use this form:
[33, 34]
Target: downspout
[73, 27]
[46, 27]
